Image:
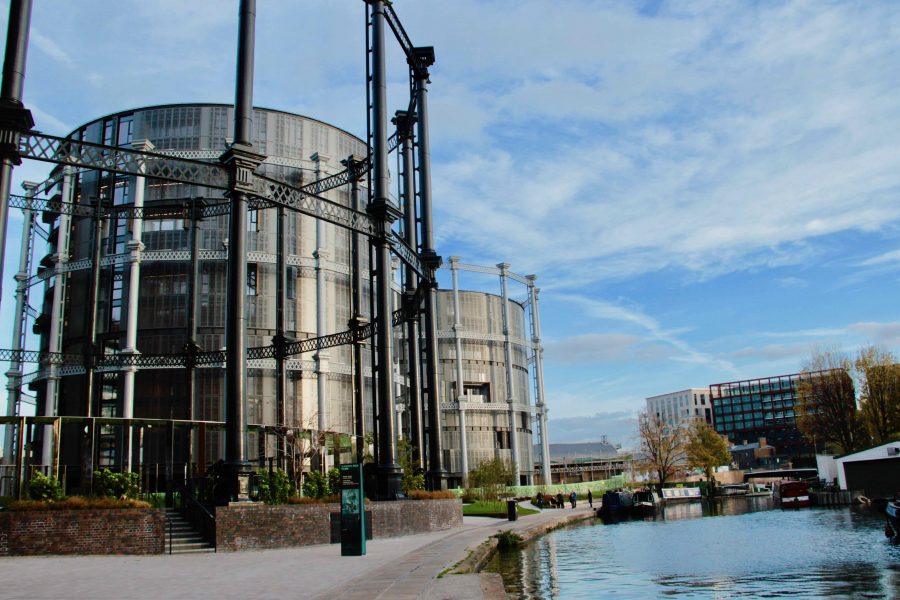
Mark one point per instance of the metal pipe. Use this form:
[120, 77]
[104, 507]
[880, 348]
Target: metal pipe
[436, 473]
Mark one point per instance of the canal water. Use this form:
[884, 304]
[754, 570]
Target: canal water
[735, 548]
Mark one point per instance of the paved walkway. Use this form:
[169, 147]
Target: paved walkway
[400, 568]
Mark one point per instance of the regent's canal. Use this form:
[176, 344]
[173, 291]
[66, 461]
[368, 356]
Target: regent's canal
[737, 548]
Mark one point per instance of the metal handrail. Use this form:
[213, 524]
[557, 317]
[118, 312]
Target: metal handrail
[198, 515]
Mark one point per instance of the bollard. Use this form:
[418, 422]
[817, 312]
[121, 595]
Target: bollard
[511, 510]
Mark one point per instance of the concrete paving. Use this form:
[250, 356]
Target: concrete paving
[401, 568]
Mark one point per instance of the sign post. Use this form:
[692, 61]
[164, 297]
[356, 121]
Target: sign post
[353, 526]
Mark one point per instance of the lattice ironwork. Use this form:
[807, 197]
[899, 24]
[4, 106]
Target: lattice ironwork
[407, 254]
[65, 151]
[274, 191]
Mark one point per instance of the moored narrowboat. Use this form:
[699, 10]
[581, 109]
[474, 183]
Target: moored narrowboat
[646, 503]
[792, 494]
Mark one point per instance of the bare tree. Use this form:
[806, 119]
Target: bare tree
[662, 444]
[826, 403]
[879, 377]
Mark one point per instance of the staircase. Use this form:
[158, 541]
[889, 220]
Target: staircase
[181, 537]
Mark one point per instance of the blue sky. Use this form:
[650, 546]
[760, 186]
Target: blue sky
[707, 191]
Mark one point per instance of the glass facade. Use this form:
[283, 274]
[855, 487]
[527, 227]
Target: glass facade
[745, 411]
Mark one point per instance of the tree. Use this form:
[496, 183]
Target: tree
[706, 449]
[662, 445]
[825, 409]
[413, 477]
[879, 376]
[492, 477]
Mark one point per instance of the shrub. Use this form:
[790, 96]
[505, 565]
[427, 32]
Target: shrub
[274, 487]
[315, 485]
[41, 487]
[413, 477]
[78, 503]
[116, 485]
[509, 539]
[432, 495]
[469, 496]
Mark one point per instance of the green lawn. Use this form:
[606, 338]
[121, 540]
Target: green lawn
[492, 509]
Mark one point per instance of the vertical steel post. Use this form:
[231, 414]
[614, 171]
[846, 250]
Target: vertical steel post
[384, 213]
[192, 347]
[51, 391]
[242, 162]
[14, 117]
[436, 474]
[357, 319]
[405, 122]
[540, 401]
[135, 247]
[280, 340]
[322, 356]
[460, 383]
[510, 392]
[14, 375]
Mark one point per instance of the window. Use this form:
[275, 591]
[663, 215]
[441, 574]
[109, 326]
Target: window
[253, 220]
[252, 270]
[291, 284]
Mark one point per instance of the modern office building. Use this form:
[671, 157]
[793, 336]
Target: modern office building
[747, 410]
[159, 288]
[681, 407]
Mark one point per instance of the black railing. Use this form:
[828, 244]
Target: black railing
[198, 515]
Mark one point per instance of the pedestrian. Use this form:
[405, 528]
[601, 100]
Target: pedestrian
[540, 500]
[590, 499]
[559, 500]
[572, 498]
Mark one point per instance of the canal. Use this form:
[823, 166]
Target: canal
[735, 548]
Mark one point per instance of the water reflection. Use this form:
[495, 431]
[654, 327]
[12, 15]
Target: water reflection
[734, 548]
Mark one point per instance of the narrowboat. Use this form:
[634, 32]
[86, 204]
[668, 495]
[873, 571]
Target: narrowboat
[792, 494]
[681, 494]
[616, 503]
[646, 503]
[892, 512]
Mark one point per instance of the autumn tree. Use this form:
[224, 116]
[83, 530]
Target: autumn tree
[825, 409]
[662, 445]
[706, 449]
[879, 377]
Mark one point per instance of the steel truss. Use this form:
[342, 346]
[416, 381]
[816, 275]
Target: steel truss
[239, 175]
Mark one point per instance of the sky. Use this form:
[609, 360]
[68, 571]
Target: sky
[706, 190]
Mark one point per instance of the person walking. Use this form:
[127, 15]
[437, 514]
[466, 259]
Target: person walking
[590, 499]
[572, 497]
[559, 500]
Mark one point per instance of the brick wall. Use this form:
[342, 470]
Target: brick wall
[120, 531]
[248, 526]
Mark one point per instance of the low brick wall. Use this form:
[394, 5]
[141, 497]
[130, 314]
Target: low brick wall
[119, 531]
[251, 525]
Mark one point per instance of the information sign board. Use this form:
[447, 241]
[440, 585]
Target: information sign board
[353, 526]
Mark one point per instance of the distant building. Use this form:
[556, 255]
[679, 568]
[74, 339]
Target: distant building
[875, 471]
[761, 408]
[682, 406]
[753, 455]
